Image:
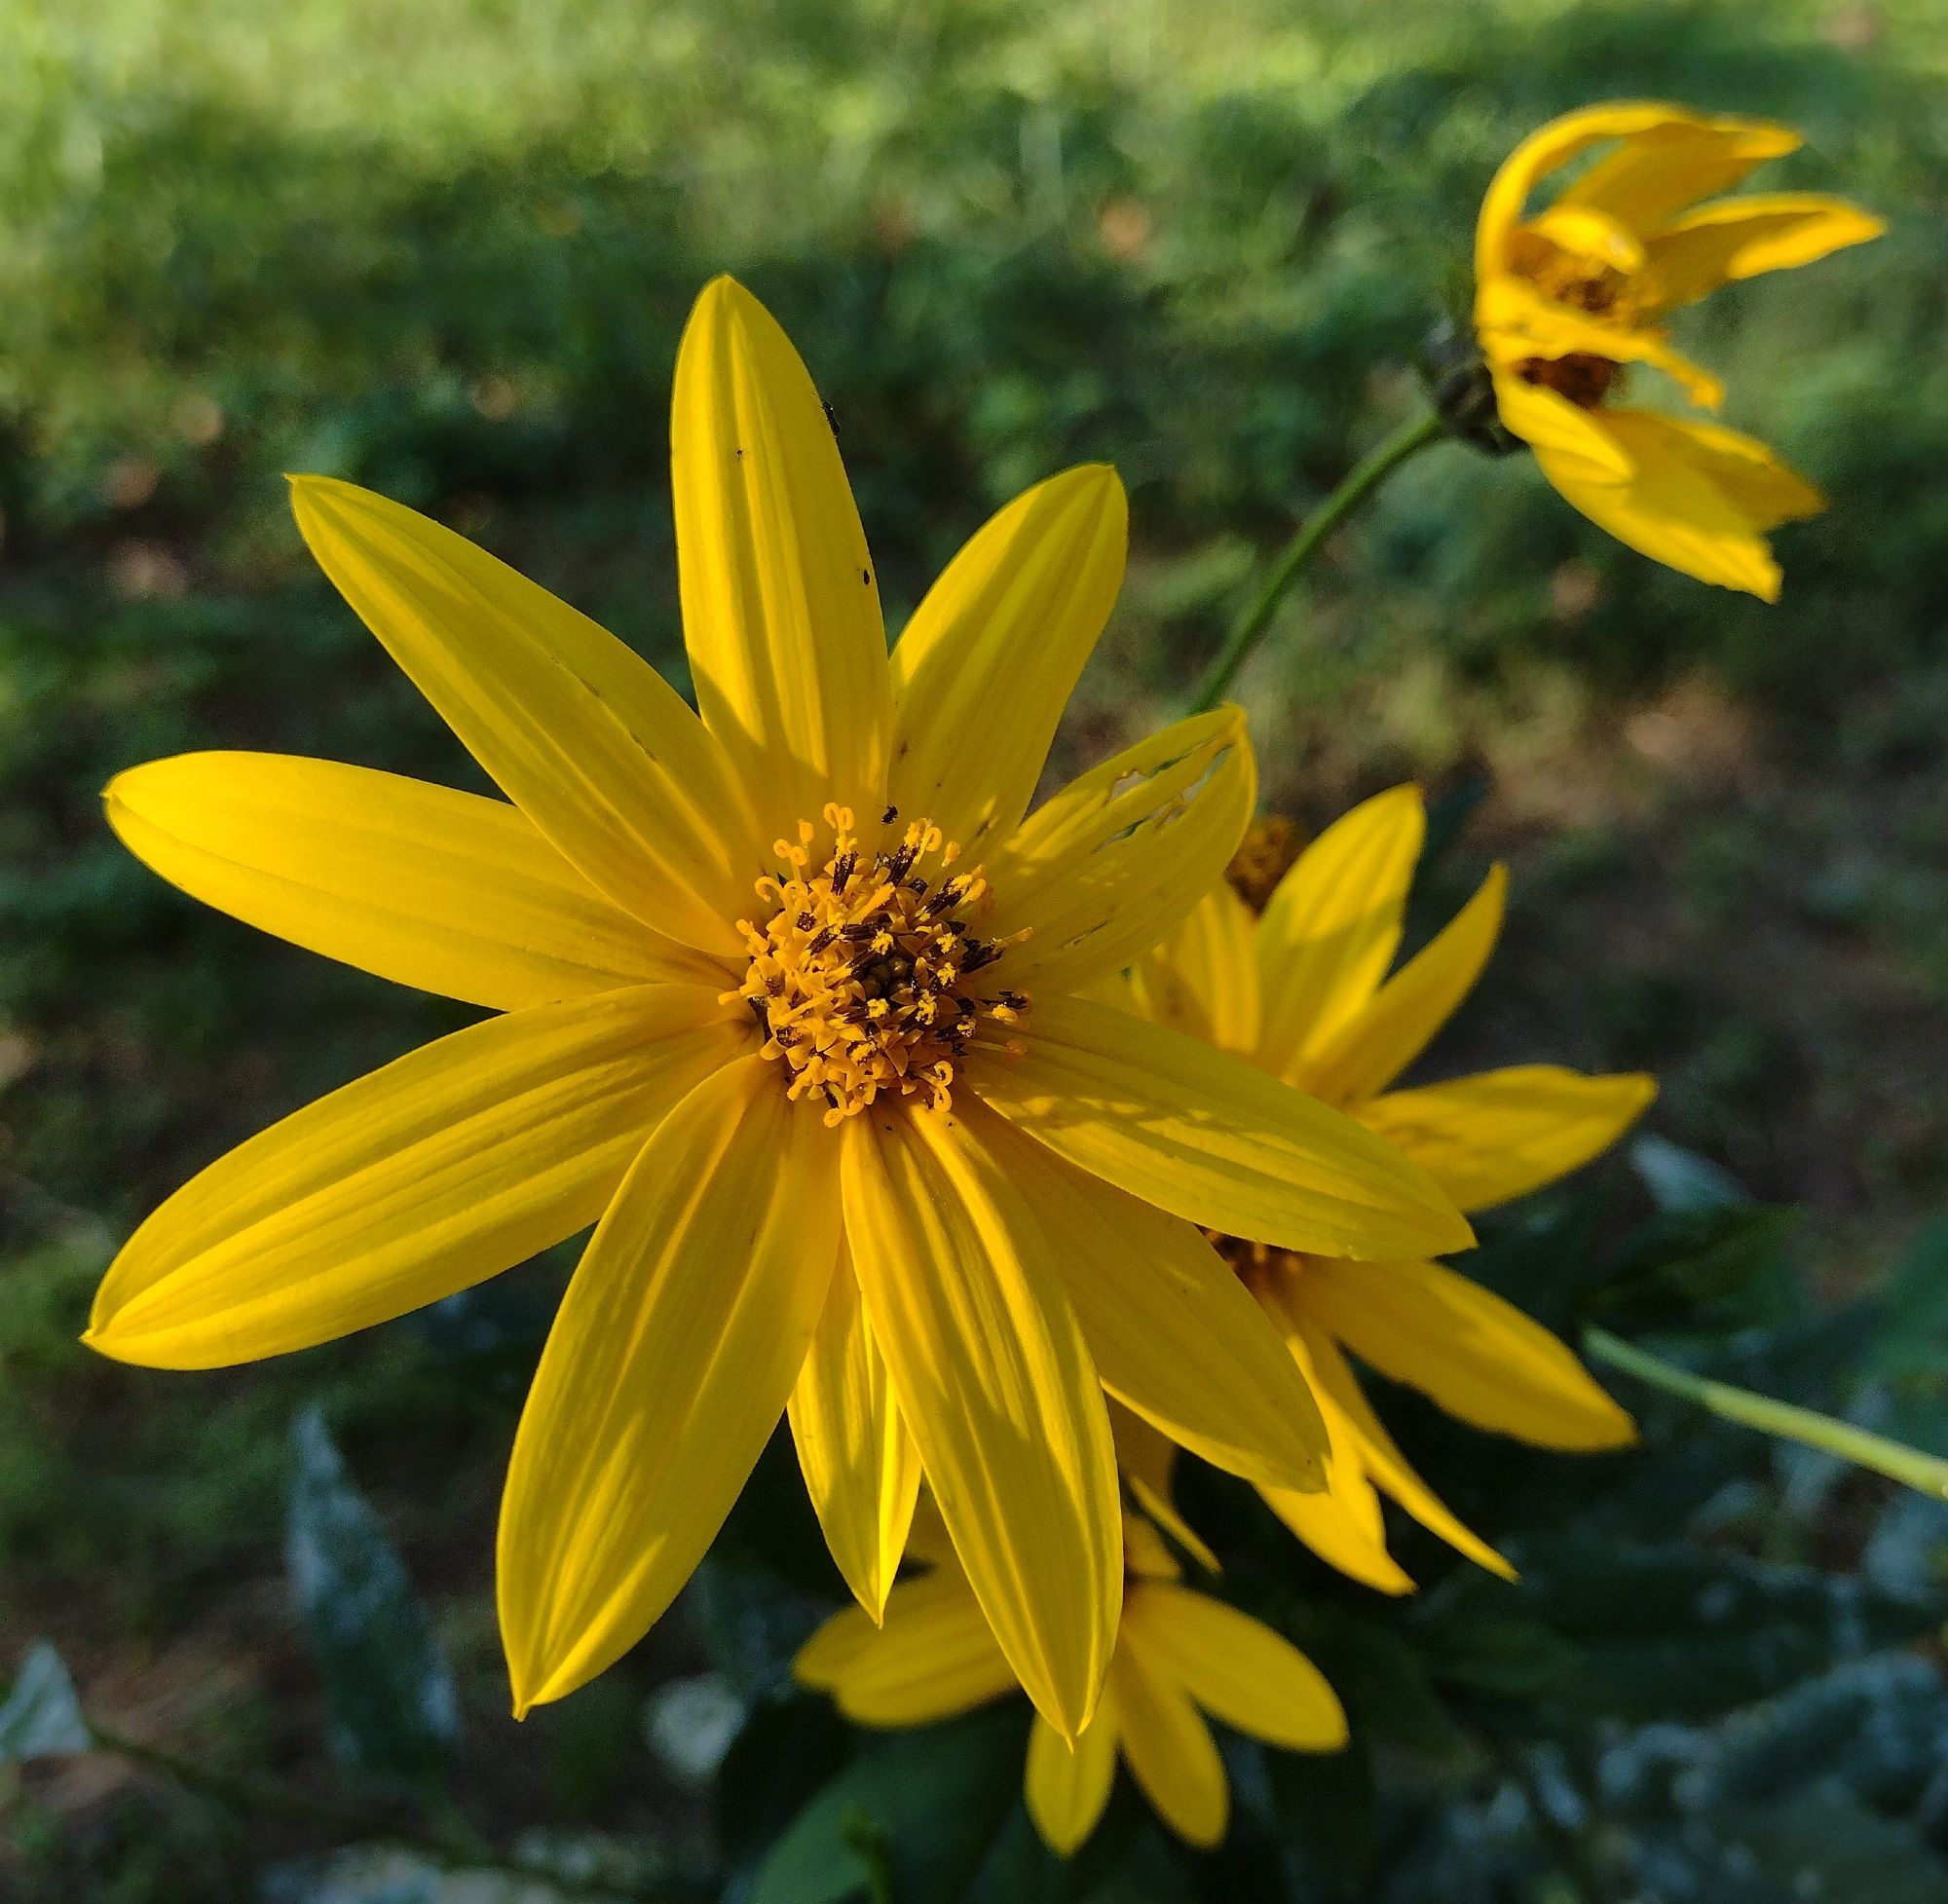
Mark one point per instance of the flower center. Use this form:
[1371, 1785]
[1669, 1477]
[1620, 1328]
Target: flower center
[862, 977]
[1584, 380]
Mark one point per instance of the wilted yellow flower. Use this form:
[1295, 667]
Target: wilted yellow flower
[1567, 297]
[790, 1004]
[1303, 993]
[1180, 1655]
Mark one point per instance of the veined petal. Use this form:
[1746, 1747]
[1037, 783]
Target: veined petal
[1202, 980]
[1699, 501]
[1517, 321]
[1146, 1458]
[1656, 174]
[1102, 870]
[993, 1378]
[780, 607]
[1501, 1134]
[1479, 1356]
[1331, 928]
[422, 884]
[1733, 238]
[420, 1178]
[1208, 1138]
[988, 663]
[1171, 1331]
[579, 732]
[1066, 1787]
[1166, 1742]
[1371, 1049]
[933, 1657]
[666, 1369]
[1575, 438]
[1236, 1669]
[861, 1468]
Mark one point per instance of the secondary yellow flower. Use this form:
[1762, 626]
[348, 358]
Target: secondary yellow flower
[1303, 993]
[1180, 1655]
[789, 997]
[1567, 297]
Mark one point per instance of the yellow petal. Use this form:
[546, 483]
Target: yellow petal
[1479, 1356]
[1665, 167]
[1210, 1138]
[421, 884]
[1330, 929]
[1700, 500]
[987, 663]
[1146, 1459]
[994, 1380]
[1375, 1448]
[1501, 1134]
[1735, 238]
[1067, 1789]
[1586, 234]
[781, 604]
[933, 1658]
[1239, 1672]
[1202, 978]
[423, 1178]
[579, 730]
[1166, 1744]
[1551, 147]
[665, 1375]
[1170, 1329]
[1517, 321]
[1102, 870]
[1371, 1049]
[860, 1465]
[1575, 438]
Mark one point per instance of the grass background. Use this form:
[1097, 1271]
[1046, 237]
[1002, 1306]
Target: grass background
[447, 250]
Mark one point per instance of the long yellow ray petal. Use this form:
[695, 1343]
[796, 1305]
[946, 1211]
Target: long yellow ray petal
[987, 663]
[1733, 238]
[1501, 1134]
[420, 1178]
[1236, 1669]
[1479, 1356]
[1067, 1789]
[1576, 438]
[666, 1369]
[781, 604]
[579, 732]
[994, 1380]
[1330, 929]
[1102, 870]
[934, 1656]
[1653, 176]
[1374, 1046]
[1202, 980]
[1173, 1333]
[421, 884]
[1208, 1138]
[1166, 1742]
[860, 1465]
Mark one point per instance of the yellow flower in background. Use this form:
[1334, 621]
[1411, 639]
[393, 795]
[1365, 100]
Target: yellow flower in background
[1568, 297]
[1180, 1655]
[1303, 993]
[788, 1001]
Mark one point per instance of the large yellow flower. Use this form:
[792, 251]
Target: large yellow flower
[1567, 297]
[1303, 993]
[1180, 1655]
[789, 997]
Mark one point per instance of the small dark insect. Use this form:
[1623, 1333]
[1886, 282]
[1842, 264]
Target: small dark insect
[831, 418]
[891, 814]
[866, 575]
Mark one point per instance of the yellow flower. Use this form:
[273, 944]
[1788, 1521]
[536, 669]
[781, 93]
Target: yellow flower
[1302, 991]
[1566, 298]
[789, 1003]
[1180, 1655]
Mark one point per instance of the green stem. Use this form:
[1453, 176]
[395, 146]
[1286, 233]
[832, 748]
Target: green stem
[1361, 481]
[1925, 1472]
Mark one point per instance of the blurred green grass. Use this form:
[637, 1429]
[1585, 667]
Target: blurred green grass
[447, 252]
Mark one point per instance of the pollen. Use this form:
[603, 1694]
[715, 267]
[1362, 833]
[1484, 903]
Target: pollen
[866, 978]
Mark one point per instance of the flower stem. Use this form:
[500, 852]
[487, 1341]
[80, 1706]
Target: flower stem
[1927, 1474]
[1360, 482]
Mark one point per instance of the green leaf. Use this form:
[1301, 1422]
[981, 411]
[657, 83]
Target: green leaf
[1683, 1264]
[396, 1713]
[41, 1717]
[1680, 1181]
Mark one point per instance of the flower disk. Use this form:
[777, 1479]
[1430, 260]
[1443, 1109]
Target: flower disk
[857, 978]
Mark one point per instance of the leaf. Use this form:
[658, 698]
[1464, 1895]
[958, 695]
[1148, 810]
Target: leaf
[690, 1725]
[1680, 1181]
[751, 1624]
[786, 1749]
[1683, 1266]
[1378, 1675]
[396, 1712]
[1326, 1807]
[42, 1716]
